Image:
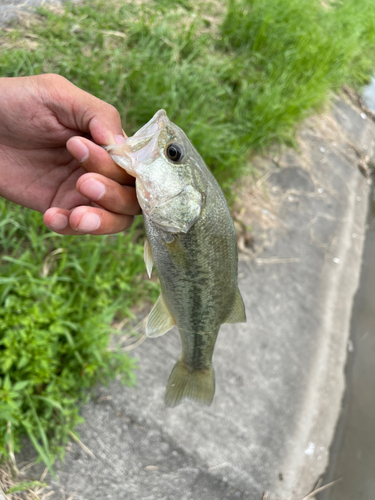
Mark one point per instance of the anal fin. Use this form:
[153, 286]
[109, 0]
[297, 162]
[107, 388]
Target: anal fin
[159, 320]
[237, 314]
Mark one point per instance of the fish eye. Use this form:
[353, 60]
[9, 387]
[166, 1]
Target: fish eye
[174, 152]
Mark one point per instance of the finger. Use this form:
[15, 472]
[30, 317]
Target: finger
[86, 220]
[98, 221]
[93, 158]
[109, 194]
[57, 219]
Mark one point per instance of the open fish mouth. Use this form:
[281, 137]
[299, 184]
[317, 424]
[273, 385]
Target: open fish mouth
[141, 146]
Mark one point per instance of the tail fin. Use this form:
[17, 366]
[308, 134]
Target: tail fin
[198, 385]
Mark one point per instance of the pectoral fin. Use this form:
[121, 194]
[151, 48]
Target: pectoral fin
[159, 320]
[237, 314]
[147, 255]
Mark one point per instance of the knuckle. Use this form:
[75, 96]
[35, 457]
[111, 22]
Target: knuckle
[54, 78]
[114, 112]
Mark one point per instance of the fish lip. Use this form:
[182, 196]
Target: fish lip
[125, 155]
[148, 131]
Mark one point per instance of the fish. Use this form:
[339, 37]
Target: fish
[191, 241]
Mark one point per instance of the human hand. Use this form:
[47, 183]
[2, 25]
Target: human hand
[43, 156]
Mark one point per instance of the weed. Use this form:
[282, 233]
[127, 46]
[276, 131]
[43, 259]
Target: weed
[58, 298]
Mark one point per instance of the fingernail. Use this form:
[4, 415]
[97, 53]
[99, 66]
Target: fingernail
[79, 150]
[58, 222]
[89, 222]
[93, 189]
[119, 139]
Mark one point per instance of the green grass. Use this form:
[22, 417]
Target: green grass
[292, 54]
[235, 75]
[56, 311]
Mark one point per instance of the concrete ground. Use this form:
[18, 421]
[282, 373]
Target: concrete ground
[280, 377]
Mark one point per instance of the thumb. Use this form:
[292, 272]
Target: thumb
[82, 112]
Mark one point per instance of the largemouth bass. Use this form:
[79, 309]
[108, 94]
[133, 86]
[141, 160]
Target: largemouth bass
[192, 243]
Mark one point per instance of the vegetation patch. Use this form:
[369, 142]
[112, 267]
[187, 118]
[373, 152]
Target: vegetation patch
[59, 296]
[235, 75]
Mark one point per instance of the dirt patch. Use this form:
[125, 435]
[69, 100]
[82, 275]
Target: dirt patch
[12, 478]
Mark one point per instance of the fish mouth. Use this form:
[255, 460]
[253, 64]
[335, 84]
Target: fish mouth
[140, 146]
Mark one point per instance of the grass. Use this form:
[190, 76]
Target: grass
[292, 54]
[58, 299]
[14, 484]
[235, 75]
